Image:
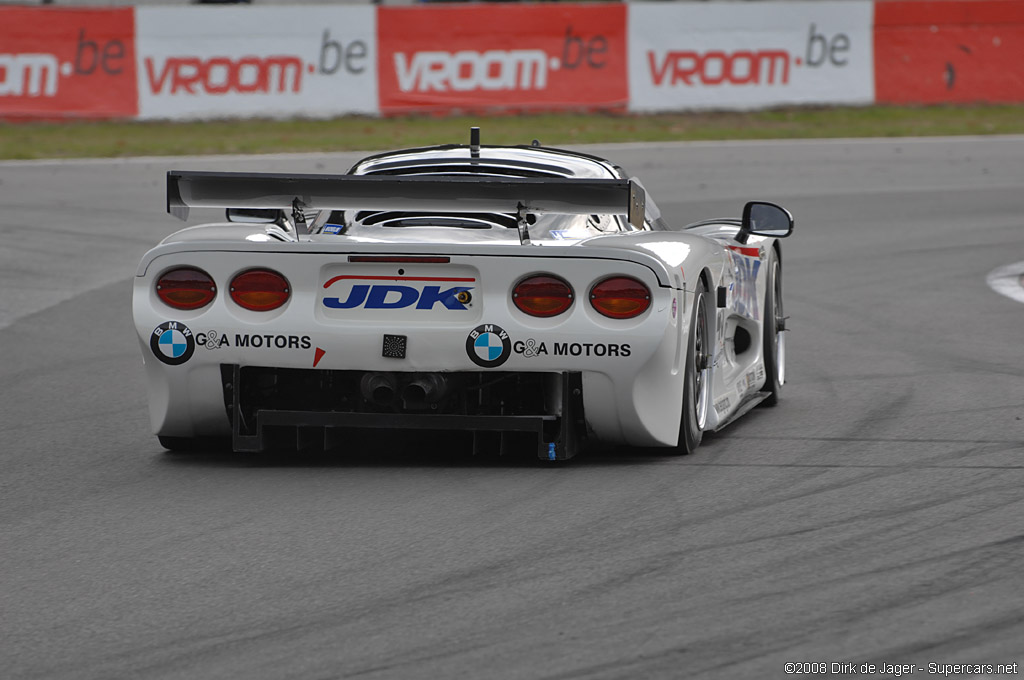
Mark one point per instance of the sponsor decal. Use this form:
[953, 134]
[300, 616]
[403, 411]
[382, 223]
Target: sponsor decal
[722, 405]
[488, 345]
[530, 348]
[333, 229]
[172, 342]
[359, 292]
[528, 57]
[270, 341]
[746, 383]
[77, 62]
[588, 349]
[212, 340]
[217, 339]
[749, 251]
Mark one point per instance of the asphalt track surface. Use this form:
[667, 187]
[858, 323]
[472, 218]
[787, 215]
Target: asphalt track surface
[875, 516]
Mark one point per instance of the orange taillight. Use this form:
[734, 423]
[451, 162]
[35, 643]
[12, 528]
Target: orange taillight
[186, 288]
[260, 290]
[543, 295]
[620, 297]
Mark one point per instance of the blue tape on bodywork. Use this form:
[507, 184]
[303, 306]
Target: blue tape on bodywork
[551, 451]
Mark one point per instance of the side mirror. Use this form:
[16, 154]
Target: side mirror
[255, 215]
[765, 219]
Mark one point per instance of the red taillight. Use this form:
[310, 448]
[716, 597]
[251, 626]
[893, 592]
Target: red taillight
[542, 296]
[260, 290]
[620, 297]
[186, 288]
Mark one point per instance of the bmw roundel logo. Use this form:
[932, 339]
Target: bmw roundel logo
[488, 345]
[172, 343]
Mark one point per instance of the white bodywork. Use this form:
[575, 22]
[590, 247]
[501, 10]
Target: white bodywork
[632, 370]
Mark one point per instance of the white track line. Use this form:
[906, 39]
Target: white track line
[1008, 281]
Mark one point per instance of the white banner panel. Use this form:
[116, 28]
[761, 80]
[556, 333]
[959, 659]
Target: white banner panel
[748, 55]
[265, 61]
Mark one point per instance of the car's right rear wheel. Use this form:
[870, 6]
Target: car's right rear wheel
[697, 376]
[774, 335]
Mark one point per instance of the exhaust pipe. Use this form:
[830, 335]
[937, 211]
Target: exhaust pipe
[425, 390]
[378, 388]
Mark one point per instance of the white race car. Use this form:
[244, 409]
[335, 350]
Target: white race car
[533, 298]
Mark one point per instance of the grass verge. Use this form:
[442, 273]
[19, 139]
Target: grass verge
[78, 139]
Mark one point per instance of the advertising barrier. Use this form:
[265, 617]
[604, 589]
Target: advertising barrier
[931, 52]
[321, 61]
[490, 57]
[67, 62]
[266, 61]
[741, 56]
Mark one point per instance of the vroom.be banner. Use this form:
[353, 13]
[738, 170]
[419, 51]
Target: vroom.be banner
[244, 61]
[67, 62]
[742, 56]
[502, 57]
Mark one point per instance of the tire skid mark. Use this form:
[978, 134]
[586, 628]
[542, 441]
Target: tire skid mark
[952, 571]
[964, 639]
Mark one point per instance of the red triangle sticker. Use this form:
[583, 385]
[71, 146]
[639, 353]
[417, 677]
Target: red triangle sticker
[318, 356]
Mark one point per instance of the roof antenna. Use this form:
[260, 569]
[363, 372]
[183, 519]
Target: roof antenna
[474, 142]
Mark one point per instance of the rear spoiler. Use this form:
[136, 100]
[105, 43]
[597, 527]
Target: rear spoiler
[416, 193]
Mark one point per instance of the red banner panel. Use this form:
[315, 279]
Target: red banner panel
[67, 63]
[959, 51]
[502, 57]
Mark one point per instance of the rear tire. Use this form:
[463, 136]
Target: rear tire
[696, 377]
[774, 337]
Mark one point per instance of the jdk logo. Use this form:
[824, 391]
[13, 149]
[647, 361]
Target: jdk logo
[397, 296]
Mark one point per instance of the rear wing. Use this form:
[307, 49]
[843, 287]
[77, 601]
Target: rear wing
[416, 193]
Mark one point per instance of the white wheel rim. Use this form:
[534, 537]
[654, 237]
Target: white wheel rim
[780, 336]
[780, 356]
